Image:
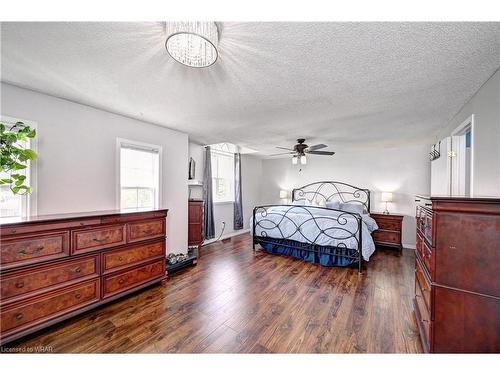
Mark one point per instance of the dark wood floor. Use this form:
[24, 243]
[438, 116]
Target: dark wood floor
[236, 302]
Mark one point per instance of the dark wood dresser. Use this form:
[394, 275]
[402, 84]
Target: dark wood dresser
[195, 224]
[54, 267]
[390, 230]
[457, 274]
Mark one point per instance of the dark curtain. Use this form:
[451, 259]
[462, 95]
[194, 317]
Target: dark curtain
[208, 215]
[238, 208]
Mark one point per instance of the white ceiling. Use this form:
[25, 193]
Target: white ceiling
[343, 84]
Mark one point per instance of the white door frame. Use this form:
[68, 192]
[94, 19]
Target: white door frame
[461, 130]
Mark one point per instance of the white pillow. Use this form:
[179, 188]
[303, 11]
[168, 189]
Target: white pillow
[301, 202]
[334, 204]
[320, 202]
[354, 208]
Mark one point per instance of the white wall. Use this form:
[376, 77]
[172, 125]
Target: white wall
[485, 106]
[405, 171]
[251, 176]
[76, 165]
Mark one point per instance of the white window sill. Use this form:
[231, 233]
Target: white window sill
[223, 202]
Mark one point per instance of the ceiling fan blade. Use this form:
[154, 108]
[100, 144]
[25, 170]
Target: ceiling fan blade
[321, 152]
[285, 148]
[316, 147]
[282, 153]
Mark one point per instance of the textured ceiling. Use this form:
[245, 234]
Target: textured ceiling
[343, 84]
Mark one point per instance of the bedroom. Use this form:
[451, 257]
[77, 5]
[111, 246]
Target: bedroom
[287, 187]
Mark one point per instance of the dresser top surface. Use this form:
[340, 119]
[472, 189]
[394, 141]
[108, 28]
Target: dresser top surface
[75, 215]
[492, 199]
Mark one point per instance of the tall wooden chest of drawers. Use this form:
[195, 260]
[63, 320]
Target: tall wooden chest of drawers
[195, 223]
[457, 274]
[54, 267]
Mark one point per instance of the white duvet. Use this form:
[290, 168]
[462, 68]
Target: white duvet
[275, 224]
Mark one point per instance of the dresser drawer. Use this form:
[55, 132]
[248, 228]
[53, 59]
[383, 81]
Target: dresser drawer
[20, 316]
[422, 314]
[132, 255]
[389, 224]
[383, 236]
[96, 238]
[143, 230]
[423, 282]
[36, 280]
[22, 250]
[121, 282]
[419, 245]
[427, 258]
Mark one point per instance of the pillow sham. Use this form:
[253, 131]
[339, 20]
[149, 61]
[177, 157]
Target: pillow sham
[301, 202]
[354, 208]
[333, 204]
[319, 202]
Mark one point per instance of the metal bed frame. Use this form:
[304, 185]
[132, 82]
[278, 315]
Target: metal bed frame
[326, 190]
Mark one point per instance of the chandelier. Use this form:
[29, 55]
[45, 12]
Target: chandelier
[192, 44]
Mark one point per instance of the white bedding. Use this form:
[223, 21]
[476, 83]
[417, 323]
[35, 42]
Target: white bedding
[310, 230]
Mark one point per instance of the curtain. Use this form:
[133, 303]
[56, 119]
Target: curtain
[208, 212]
[238, 208]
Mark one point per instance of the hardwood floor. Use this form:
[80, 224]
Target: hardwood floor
[236, 302]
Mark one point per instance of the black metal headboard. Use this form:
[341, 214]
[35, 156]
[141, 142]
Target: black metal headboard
[329, 190]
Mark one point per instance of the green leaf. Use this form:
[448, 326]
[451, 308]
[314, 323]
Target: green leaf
[18, 166]
[5, 181]
[30, 154]
[20, 180]
[31, 134]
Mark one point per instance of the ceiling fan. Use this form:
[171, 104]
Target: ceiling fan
[300, 150]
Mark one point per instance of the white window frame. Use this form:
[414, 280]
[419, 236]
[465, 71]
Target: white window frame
[221, 151]
[460, 130]
[30, 201]
[139, 145]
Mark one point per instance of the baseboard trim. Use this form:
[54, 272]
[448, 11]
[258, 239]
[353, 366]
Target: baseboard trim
[226, 236]
[408, 246]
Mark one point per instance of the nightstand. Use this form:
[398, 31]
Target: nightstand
[390, 230]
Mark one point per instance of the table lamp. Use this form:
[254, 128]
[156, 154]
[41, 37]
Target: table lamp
[386, 197]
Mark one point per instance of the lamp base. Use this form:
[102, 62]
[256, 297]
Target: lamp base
[386, 212]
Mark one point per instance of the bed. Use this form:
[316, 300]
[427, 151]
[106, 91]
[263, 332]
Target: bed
[328, 223]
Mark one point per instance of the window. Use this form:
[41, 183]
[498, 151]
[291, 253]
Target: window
[223, 172]
[19, 205]
[139, 175]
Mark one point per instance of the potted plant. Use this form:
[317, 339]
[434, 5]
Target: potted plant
[14, 158]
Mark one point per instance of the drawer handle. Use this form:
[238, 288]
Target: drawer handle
[19, 316]
[425, 321]
[147, 231]
[120, 259]
[100, 239]
[78, 269]
[22, 250]
[121, 281]
[20, 285]
[77, 296]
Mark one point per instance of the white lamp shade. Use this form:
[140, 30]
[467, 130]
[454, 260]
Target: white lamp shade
[303, 160]
[386, 197]
[295, 160]
[283, 194]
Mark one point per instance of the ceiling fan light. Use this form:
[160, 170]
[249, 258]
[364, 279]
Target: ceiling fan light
[295, 160]
[303, 160]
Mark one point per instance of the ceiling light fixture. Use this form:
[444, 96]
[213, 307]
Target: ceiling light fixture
[192, 44]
